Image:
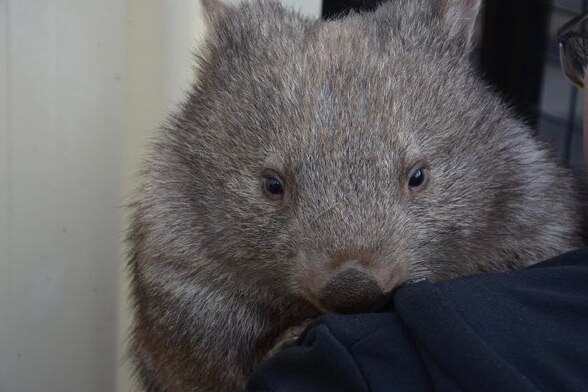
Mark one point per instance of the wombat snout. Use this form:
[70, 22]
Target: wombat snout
[350, 290]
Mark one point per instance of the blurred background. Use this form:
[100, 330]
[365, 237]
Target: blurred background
[84, 85]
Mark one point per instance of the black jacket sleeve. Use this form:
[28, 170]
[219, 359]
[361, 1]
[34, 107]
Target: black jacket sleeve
[520, 331]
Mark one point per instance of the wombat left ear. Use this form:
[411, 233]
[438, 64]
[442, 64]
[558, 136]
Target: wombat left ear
[459, 18]
[215, 10]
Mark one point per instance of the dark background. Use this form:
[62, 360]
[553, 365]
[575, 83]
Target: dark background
[517, 52]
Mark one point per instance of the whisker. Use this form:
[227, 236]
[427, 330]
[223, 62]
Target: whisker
[323, 212]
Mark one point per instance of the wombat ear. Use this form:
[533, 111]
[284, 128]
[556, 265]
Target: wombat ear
[215, 10]
[459, 18]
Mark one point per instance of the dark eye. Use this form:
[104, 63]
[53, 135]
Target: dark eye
[417, 179]
[273, 185]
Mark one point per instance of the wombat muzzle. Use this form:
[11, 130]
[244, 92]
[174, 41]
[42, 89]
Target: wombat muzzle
[350, 291]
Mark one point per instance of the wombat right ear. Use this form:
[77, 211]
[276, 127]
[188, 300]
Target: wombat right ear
[459, 18]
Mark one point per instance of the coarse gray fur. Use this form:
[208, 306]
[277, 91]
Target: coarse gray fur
[342, 109]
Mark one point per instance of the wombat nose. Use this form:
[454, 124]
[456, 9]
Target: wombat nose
[351, 290]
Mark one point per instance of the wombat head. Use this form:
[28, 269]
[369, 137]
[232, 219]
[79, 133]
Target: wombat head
[333, 160]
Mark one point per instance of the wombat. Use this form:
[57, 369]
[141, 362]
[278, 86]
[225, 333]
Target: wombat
[317, 165]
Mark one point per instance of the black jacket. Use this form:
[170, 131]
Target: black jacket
[519, 331]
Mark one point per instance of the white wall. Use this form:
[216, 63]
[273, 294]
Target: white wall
[83, 85]
[63, 71]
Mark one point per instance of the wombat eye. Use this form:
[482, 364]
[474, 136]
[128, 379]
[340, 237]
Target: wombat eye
[273, 185]
[417, 179]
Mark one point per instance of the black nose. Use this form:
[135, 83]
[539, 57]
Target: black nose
[350, 291]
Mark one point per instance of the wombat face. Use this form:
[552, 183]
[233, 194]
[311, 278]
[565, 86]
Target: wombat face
[334, 160]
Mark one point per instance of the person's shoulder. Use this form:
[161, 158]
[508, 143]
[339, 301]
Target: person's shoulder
[500, 330]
